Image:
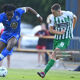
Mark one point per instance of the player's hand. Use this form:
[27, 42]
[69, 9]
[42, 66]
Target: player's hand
[62, 32]
[40, 18]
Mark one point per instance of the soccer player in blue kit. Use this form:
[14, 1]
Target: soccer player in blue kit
[11, 19]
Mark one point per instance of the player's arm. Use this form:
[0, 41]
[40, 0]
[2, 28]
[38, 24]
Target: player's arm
[34, 12]
[51, 30]
[51, 26]
[74, 21]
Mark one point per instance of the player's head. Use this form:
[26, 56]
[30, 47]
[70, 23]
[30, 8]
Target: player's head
[56, 9]
[9, 10]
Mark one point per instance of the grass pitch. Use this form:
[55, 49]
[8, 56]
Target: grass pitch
[20, 74]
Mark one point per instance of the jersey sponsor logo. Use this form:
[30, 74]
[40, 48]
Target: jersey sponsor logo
[62, 25]
[14, 25]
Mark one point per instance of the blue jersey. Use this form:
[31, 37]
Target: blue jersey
[12, 27]
[14, 24]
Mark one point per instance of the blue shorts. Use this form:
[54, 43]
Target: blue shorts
[5, 37]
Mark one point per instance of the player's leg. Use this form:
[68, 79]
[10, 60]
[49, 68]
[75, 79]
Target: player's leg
[2, 46]
[51, 61]
[1, 63]
[8, 61]
[50, 47]
[58, 45]
[9, 58]
[11, 43]
[49, 65]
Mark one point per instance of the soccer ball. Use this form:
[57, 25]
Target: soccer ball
[3, 71]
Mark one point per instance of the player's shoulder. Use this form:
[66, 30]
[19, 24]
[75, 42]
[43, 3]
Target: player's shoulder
[20, 9]
[2, 14]
[67, 12]
[51, 16]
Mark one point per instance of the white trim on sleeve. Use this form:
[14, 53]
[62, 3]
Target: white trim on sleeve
[24, 8]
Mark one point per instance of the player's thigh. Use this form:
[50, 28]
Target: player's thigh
[2, 45]
[12, 42]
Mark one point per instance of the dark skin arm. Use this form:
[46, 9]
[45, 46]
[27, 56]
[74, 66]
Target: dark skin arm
[35, 13]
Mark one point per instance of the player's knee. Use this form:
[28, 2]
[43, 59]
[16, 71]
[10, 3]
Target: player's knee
[52, 55]
[9, 48]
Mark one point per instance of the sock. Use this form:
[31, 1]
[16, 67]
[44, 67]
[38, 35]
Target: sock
[4, 53]
[49, 65]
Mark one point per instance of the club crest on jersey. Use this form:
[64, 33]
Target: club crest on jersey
[14, 25]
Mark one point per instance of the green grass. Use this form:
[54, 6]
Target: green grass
[20, 74]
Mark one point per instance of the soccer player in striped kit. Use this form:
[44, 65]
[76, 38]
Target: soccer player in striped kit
[61, 24]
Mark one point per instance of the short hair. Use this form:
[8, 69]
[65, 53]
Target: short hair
[8, 7]
[56, 7]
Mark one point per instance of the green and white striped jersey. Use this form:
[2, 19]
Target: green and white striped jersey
[63, 22]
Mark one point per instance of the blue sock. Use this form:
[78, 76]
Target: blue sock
[4, 53]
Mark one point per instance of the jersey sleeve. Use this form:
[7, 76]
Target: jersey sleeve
[72, 15]
[1, 17]
[51, 21]
[21, 10]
